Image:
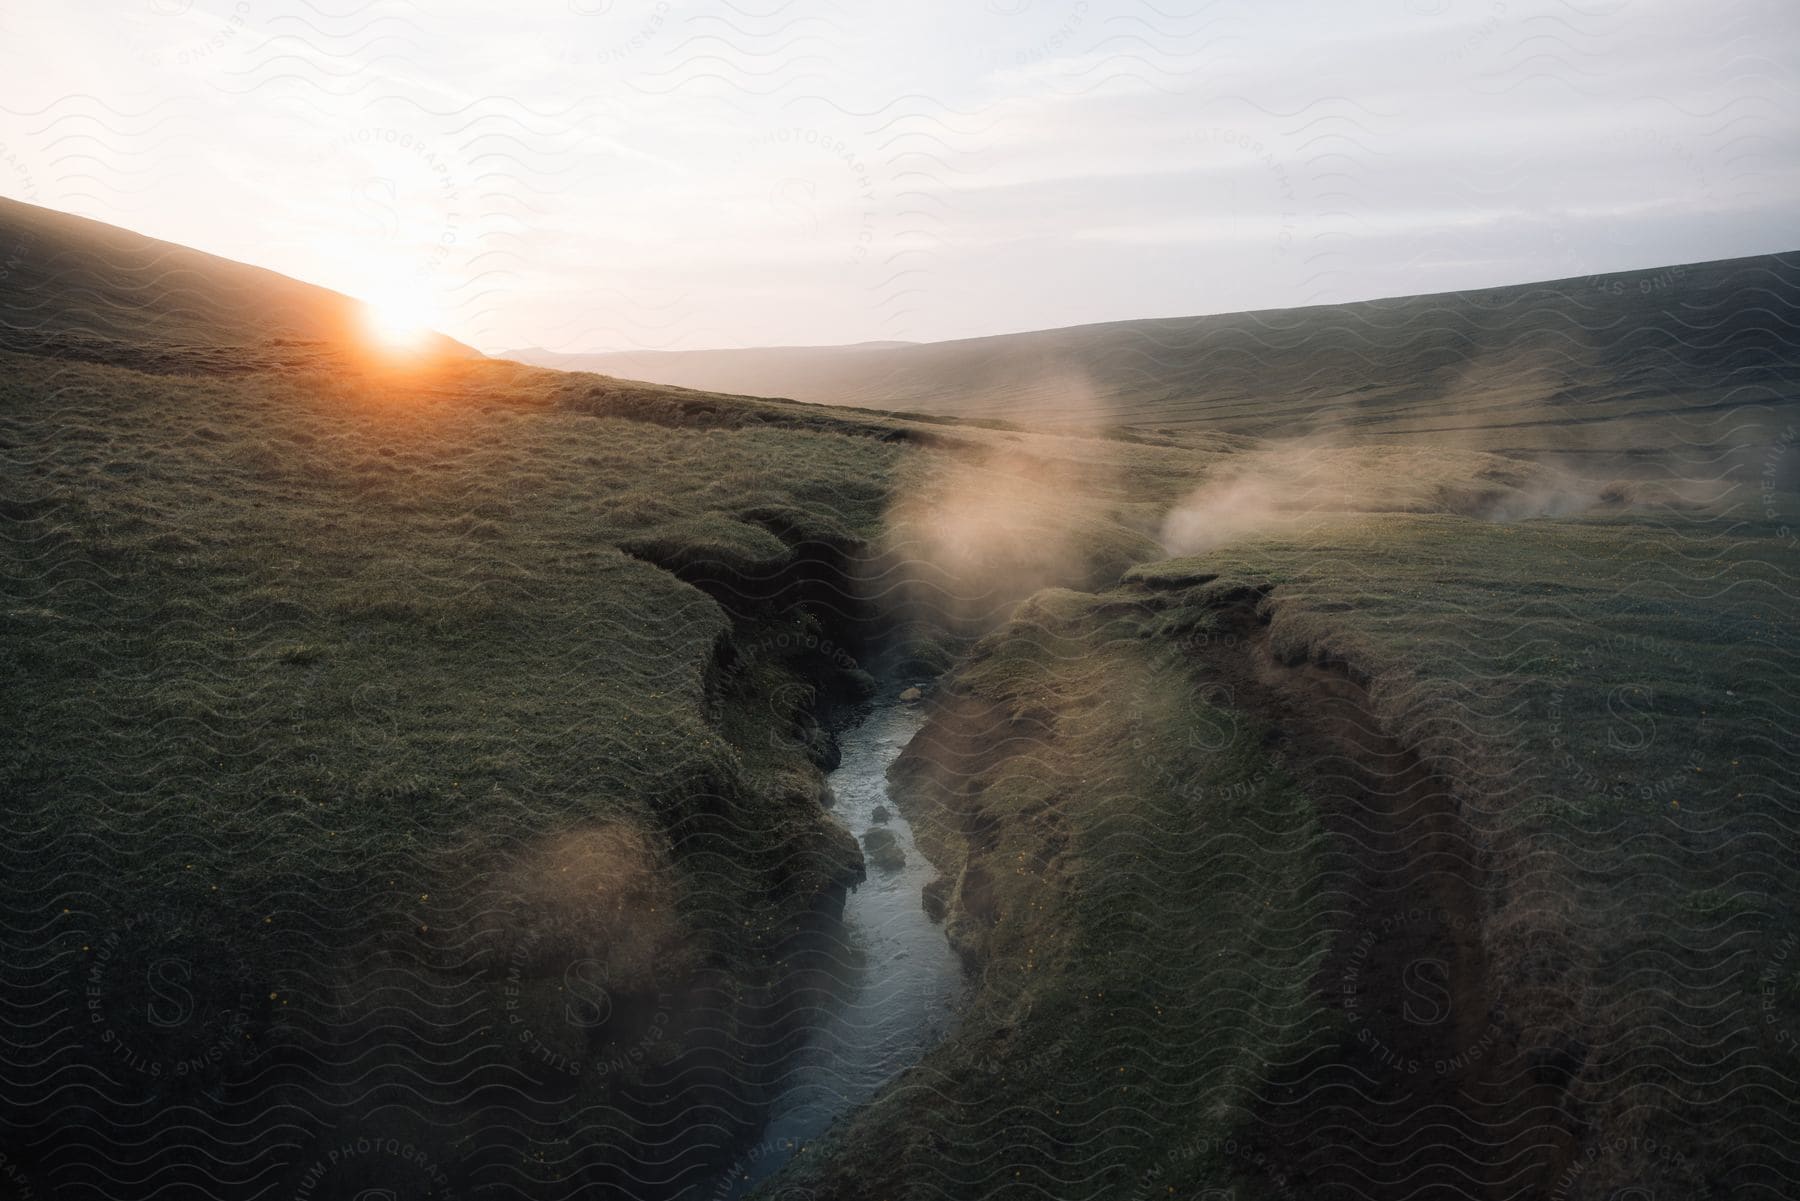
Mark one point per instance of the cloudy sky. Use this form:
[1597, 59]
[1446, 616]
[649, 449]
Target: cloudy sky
[675, 174]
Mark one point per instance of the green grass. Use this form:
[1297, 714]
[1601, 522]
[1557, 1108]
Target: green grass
[1610, 696]
[389, 709]
[1623, 651]
[336, 667]
[390, 683]
[321, 667]
[320, 663]
[1140, 912]
[1661, 365]
[1143, 916]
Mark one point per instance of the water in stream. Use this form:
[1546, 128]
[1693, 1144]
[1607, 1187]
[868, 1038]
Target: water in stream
[896, 981]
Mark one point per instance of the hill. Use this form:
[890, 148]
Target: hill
[355, 705]
[413, 779]
[80, 289]
[1596, 363]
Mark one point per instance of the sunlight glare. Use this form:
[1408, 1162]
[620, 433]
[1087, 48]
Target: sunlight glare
[399, 318]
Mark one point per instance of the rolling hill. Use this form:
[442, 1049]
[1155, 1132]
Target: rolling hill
[1596, 363]
[81, 289]
[414, 773]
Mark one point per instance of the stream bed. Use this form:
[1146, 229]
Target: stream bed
[895, 983]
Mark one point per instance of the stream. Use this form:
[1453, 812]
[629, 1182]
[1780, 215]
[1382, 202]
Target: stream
[896, 983]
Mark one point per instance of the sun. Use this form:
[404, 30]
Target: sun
[399, 317]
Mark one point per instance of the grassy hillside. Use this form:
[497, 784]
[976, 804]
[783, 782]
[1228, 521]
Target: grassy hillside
[413, 775]
[1607, 363]
[340, 699]
[429, 750]
[1135, 884]
[1528, 934]
[79, 289]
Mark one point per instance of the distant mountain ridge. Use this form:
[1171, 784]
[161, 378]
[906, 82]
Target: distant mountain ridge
[1697, 356]
[1489, 365]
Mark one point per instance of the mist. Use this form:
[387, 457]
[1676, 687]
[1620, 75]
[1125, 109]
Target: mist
[1288, 486]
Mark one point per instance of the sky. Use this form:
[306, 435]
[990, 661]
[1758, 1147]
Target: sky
[669, 175]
